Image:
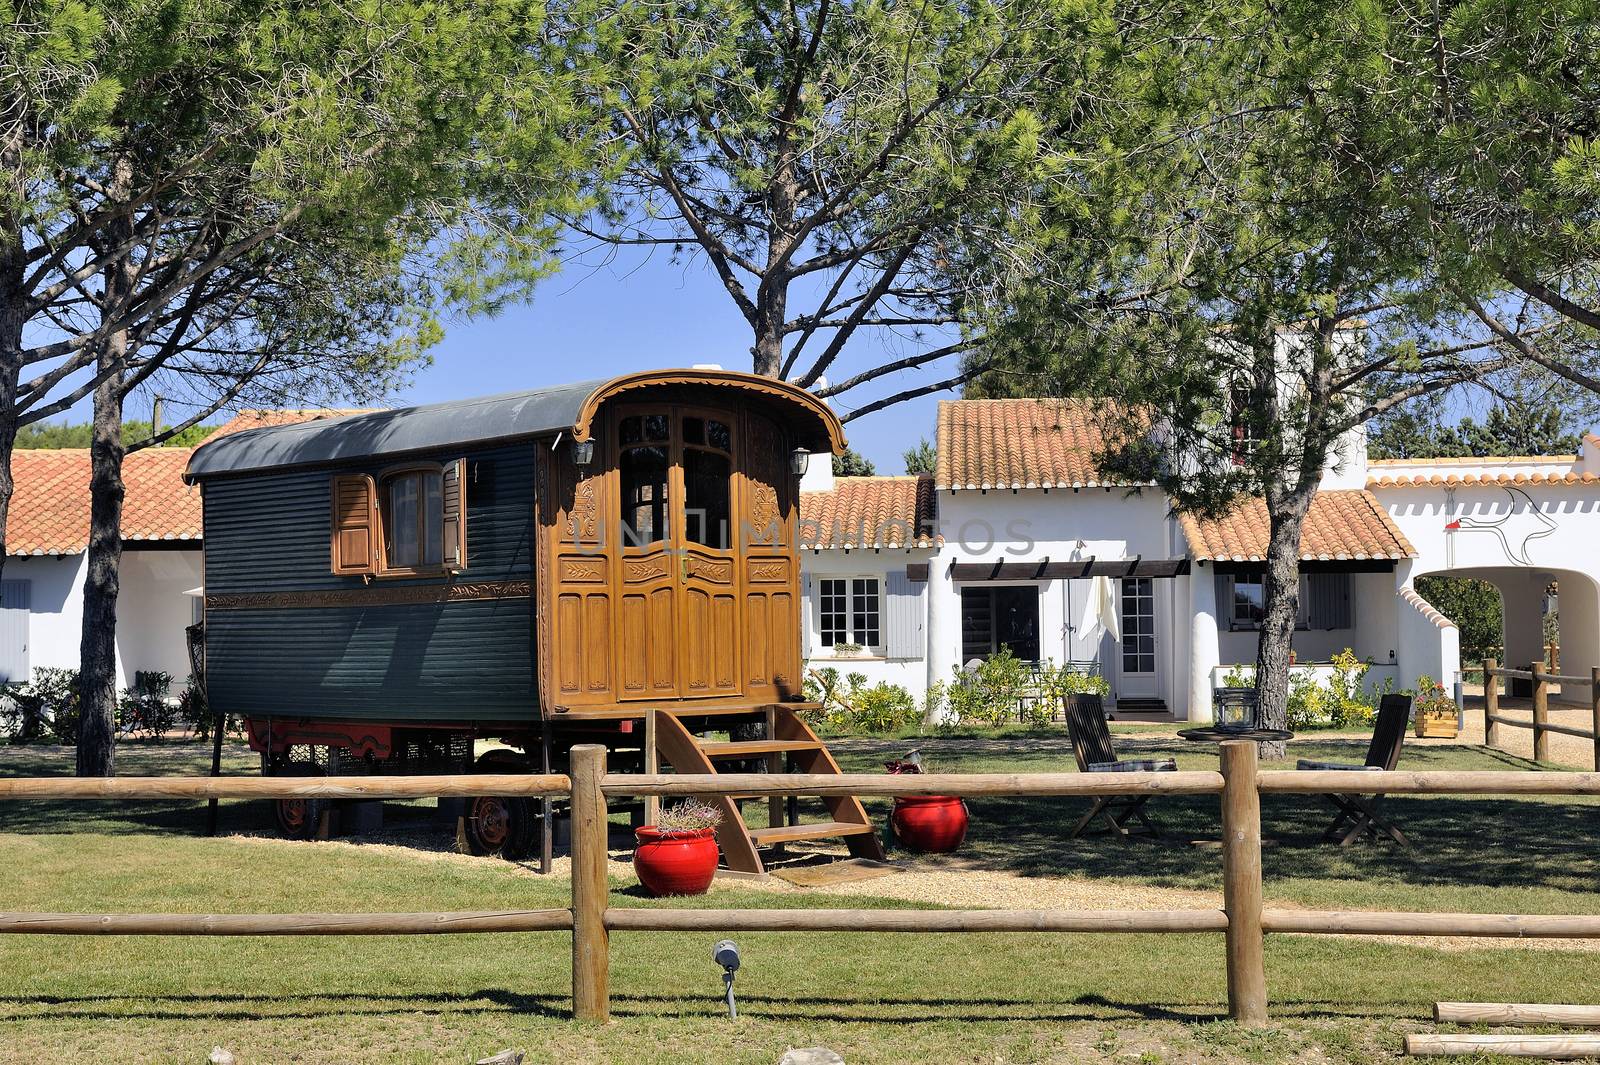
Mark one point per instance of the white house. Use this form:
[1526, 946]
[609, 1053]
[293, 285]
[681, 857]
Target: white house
[1016, 527]
[47, 537]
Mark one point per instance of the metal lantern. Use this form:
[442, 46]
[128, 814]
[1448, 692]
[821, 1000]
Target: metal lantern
[799, 461]
[1237, 709]
[582, 452]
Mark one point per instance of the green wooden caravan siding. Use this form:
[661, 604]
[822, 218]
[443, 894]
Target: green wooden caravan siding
[269, 533]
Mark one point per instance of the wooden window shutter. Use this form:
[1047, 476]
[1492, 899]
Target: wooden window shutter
[1330, 600]
[355, 524]
[455, 515]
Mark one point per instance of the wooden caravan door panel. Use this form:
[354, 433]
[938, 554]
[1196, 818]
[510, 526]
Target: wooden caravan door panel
[707, 472]
[647, 637]
[576, 597]
[767, 528]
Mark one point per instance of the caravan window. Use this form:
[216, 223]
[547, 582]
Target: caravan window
[411, 505]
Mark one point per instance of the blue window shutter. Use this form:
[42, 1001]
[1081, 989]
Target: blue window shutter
[1224, 601]
[905, 616]
[1330, 600]
[808, 613]
[14, 613]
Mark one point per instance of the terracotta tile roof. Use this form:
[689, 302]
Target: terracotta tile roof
[50, 510]
[1437, 480]
[262, 419]
[870, 512]
[1019, 443]
[1341, 525]
[1425, 608]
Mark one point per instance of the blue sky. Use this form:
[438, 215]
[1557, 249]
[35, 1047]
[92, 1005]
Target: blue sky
[636, 315]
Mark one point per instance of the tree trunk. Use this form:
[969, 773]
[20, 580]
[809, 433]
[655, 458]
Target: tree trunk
[13, 318]
[1287, 513]
[97, 679]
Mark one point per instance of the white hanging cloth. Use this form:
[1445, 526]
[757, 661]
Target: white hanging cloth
[1100, 610]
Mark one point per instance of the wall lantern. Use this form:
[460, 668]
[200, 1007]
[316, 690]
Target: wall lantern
[799, 460]
[582, 453]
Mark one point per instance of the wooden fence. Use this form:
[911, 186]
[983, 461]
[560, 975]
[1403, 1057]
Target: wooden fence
[1244, 919]
[1494, 720]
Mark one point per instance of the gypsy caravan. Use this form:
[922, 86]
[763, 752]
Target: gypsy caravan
[610, 561]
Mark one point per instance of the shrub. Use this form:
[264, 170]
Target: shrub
[990, 694]
[851, 705]
[1239, 676]
[56, 692]
[193, 711]
[690, 815]
[1432, 698]
[145, 706]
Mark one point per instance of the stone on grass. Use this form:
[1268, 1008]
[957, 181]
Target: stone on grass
[505, 1057]
[811, 1056]
[222, 1056]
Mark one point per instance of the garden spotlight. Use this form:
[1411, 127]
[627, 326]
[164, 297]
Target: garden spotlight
[726, 954]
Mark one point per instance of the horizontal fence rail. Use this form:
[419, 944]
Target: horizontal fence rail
[885, 785]
[456, 786]
[286, 924]
[1243, 920]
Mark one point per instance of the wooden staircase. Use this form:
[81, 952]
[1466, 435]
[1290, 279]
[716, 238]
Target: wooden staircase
[788, 739]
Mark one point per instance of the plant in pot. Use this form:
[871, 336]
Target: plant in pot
[930, 824]
[1436, 713]
[678, 854]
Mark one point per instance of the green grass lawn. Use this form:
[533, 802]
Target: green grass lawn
[874, 998]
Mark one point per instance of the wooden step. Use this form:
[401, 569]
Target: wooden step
[751, 748]
[813, 830]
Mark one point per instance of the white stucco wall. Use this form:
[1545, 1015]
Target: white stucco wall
[910, 673]
[55, 621]
[152, 610]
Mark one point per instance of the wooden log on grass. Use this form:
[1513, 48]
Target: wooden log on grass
[591, 956]
[969, 784]
[1386, 923]
[1516, 1013]
[654, 920]
[283, 924]
[1241, 884]
[411, 787]
[1548, 1047]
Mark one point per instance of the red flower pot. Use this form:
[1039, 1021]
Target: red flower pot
[932, 824]
[677, 863]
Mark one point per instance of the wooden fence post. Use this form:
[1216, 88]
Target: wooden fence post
[652, 764]
[1541, 712]
[590, 947]
[1594, 717]
[1491, 703]
[1241, 884]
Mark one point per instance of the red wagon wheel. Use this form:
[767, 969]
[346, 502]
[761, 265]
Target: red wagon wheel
[497, 824]
[297, 818]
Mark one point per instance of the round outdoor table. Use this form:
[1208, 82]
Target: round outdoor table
[1213, 734]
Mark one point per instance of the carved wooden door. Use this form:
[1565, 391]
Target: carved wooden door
[767, 527]
[647, 625]
[709, 630]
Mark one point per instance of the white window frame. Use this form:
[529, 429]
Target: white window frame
[855, 620]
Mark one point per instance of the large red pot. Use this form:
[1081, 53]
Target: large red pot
[676, 863]
[932, 824]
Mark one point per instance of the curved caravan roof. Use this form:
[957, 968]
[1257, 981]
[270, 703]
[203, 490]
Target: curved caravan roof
[569, 408]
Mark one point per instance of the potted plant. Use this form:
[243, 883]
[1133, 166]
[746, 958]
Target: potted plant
[846, 650]
[1436, 714]
[678, 854]
[931, 824]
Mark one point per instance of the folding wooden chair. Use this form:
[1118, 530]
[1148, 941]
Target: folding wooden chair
[1358, 814]
[1091, 745]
